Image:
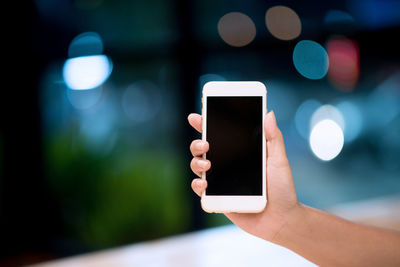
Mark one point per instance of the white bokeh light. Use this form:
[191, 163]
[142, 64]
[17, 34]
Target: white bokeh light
[87, 72]
[326, 139]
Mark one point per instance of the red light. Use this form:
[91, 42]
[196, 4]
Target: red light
[344, 63]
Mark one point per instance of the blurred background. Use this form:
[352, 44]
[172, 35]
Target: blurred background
[94, 143]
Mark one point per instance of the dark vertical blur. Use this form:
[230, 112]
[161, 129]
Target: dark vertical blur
[189, 55]
[28, 212]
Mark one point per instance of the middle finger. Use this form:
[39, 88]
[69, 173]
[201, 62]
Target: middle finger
[199, 165]
[199, 147]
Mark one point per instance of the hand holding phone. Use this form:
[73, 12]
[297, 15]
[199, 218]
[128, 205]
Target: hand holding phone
[282, 198]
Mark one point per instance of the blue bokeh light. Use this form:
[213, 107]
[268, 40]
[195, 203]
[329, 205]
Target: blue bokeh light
[327, 112]
[310, 59]
[375, 14]
[303, 115]
[353, 120]
[84, 99]
[87, 72]
[98, 126]
[85, 44]
[336, 16]
[383, 103]
[282, 97]
[141, 101]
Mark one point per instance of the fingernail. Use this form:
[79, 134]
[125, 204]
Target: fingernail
[273, 116]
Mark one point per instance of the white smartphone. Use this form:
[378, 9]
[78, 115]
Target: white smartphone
[233, 124]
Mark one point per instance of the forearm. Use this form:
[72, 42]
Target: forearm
[328, 240]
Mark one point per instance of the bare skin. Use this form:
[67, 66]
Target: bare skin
[318, 236]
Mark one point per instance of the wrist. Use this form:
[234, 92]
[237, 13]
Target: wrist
[291, 221]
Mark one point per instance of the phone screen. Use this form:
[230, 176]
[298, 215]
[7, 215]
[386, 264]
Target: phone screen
[234, 132]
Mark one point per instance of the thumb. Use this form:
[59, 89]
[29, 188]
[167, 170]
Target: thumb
[276, 153]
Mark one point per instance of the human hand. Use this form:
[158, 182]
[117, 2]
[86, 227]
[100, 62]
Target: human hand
[281, 195]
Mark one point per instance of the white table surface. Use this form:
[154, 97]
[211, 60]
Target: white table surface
[221, 246]
[228, 245]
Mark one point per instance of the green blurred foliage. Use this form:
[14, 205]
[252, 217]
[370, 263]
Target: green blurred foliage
[216, 219]
[123, 197]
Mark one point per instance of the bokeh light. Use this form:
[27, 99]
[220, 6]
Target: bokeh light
[338, 17]
[340, 22]
[353, 120]
[326, 139]
[390, 146]
[85, 44]
[327, 112]
[236, 29]
[327, 132]
[282, 97]
[375, 14]
[84, 99]
[344, 63]
[97, 126]
[87, 67]
[88, 72]
[383, 103]
[303, 116]
[141, 101]
[310, 59]
[283, 22]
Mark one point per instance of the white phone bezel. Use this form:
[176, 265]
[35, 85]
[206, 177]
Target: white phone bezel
[242, 204]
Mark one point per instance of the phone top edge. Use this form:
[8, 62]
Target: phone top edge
[234, 88]
[233, 83]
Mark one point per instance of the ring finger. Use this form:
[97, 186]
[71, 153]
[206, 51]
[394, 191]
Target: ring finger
[199, 165]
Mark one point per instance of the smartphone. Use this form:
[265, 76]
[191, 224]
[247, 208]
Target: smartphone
[233, 124]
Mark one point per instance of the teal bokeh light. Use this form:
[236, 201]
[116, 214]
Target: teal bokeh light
[310, 59]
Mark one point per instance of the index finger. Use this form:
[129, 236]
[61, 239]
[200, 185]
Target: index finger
[195, 121]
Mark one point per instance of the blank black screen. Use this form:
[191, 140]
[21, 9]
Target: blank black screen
[234, 132]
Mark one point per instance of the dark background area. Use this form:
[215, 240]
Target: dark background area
[84, 171]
